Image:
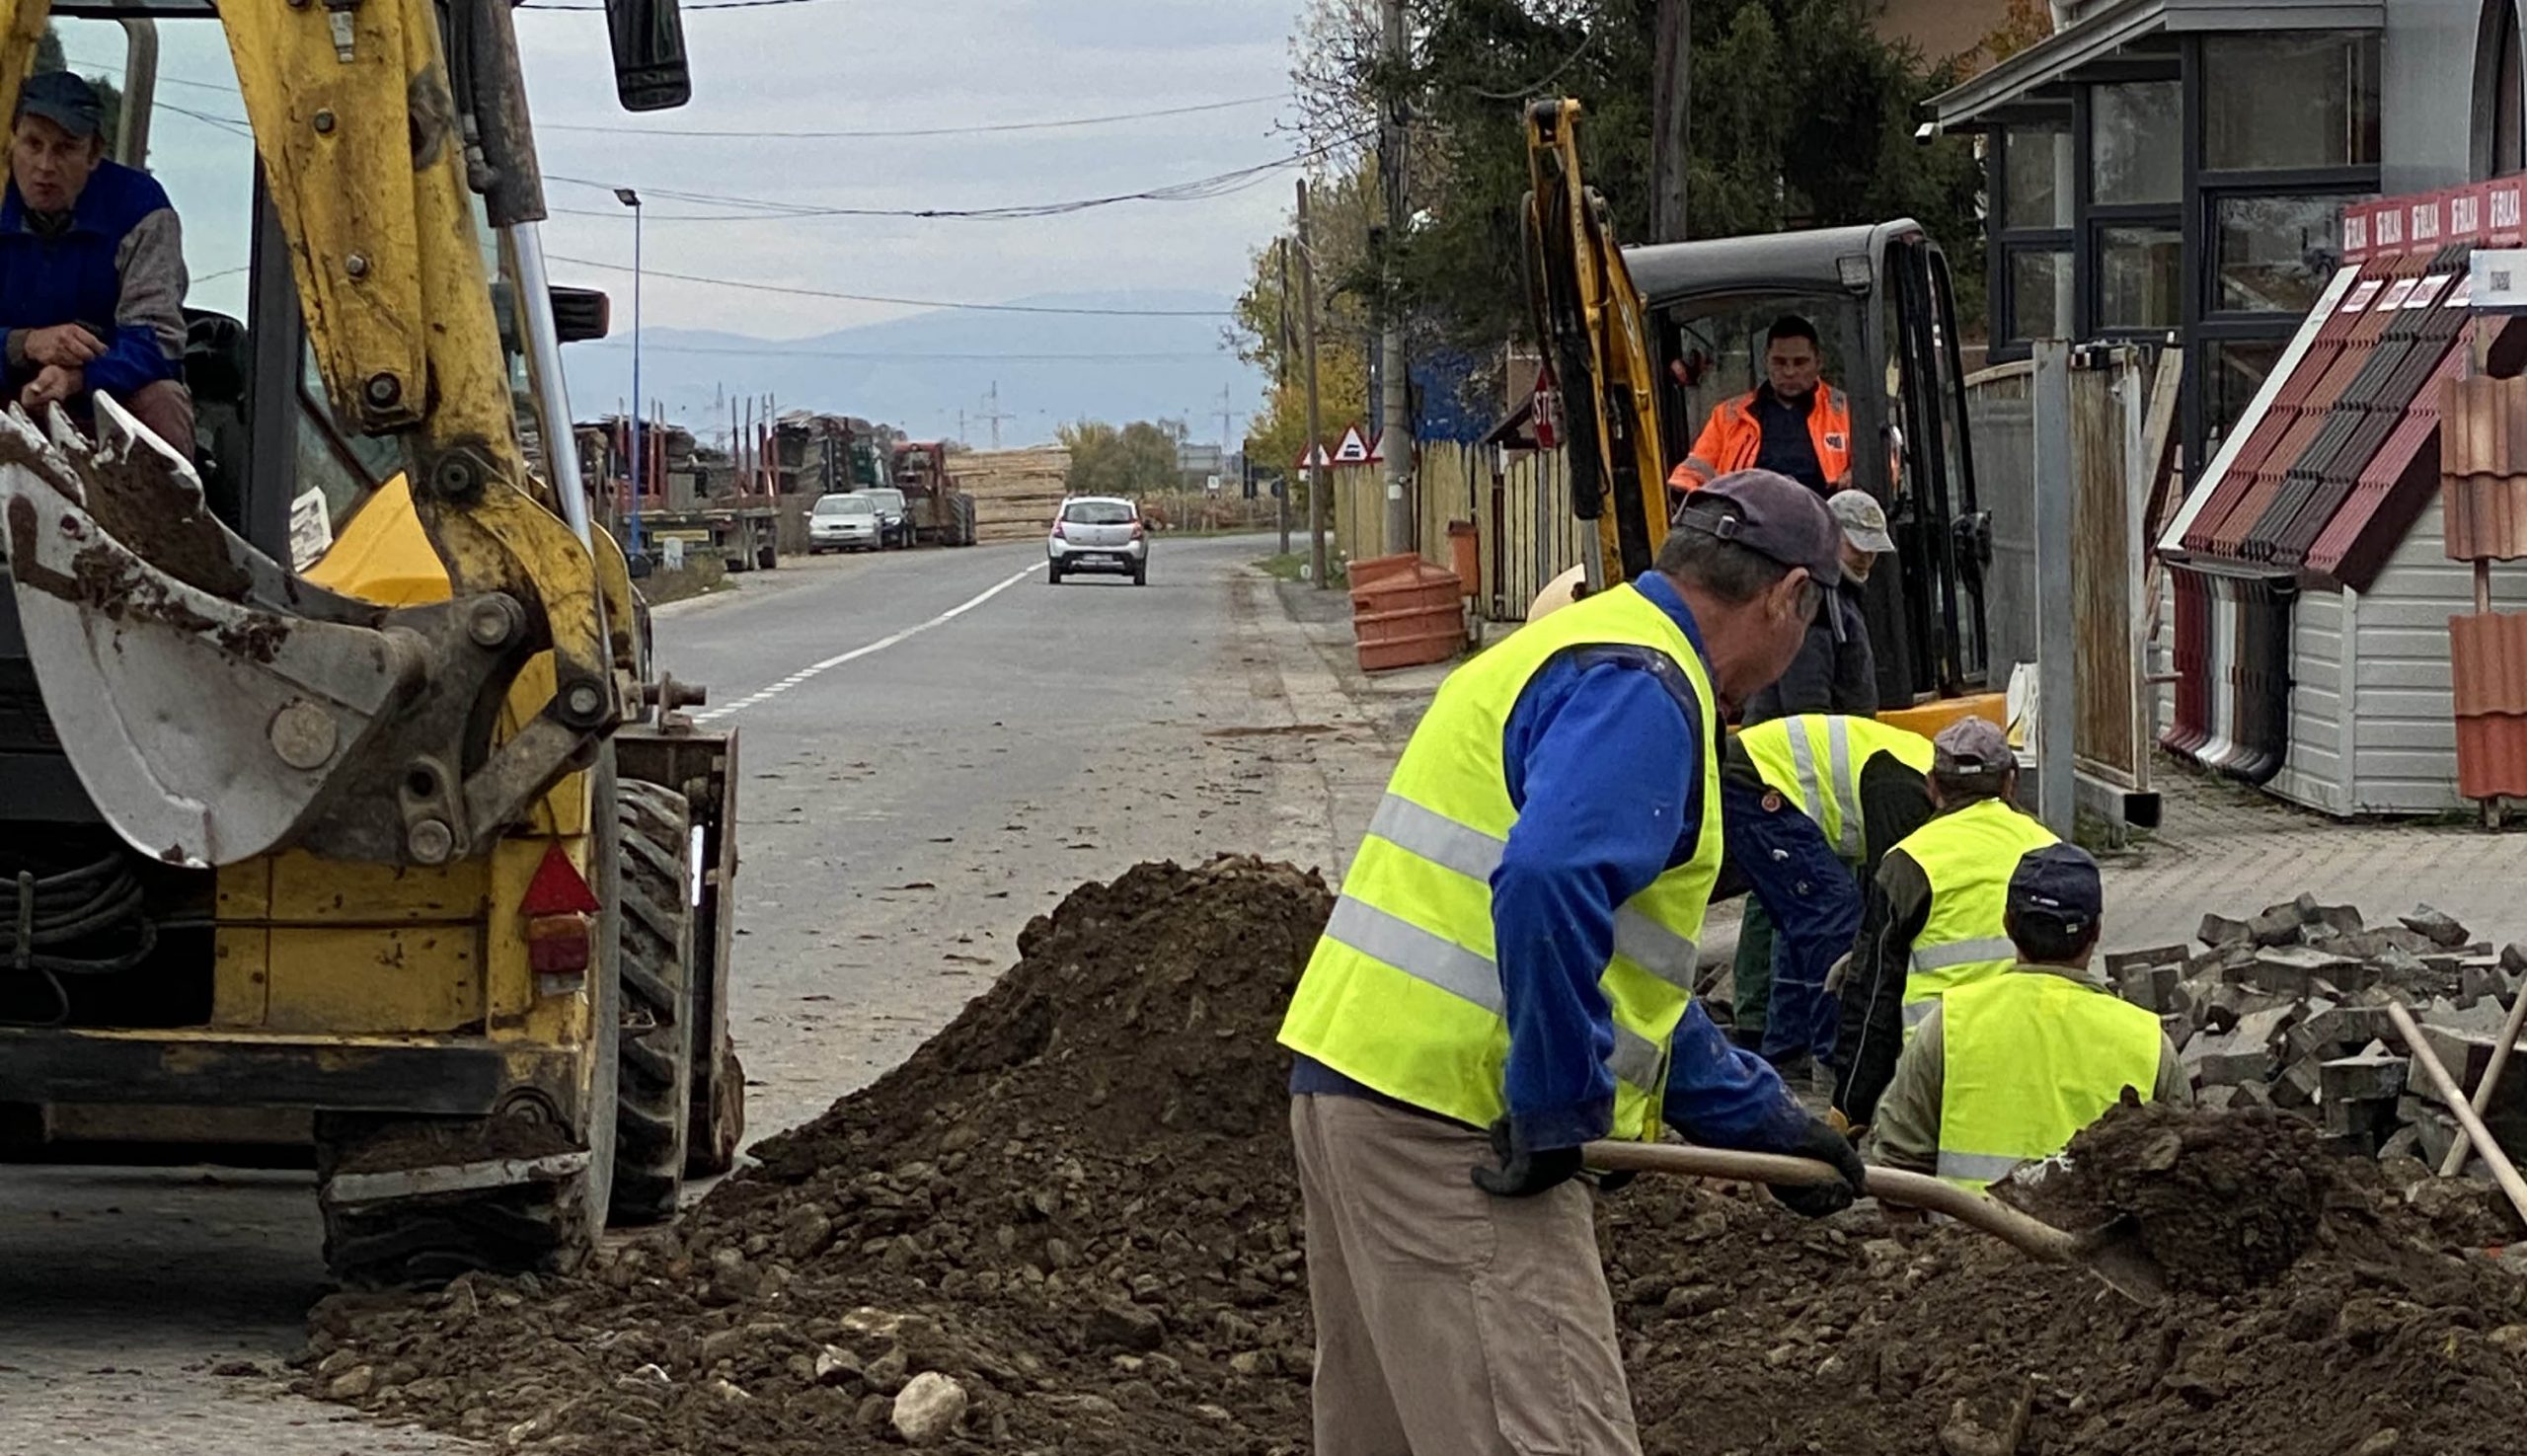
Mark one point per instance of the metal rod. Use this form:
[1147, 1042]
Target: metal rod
[2455, 1161]
[525, 243]
[2056, 642]
[2502, 1169]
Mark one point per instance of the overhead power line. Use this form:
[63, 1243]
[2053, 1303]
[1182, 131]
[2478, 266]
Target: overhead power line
[997, 308]
[776, 351]
[872, 134]
[702, 4]
[769, 209]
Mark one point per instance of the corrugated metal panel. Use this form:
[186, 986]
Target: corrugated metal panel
[2395, 488]
[2317, 773]
[2413, 343]
[2406, 724]
[2484, 467]
[2354, 373]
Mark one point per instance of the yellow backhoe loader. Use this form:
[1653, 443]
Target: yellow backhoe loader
[340, 799]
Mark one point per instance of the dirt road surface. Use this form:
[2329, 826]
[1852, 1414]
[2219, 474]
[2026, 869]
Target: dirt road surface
[936, 746]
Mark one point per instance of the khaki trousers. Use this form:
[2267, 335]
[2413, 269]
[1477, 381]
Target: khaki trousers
[1449, 1322]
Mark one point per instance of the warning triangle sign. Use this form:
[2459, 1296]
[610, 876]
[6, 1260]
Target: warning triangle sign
[1377, 450]
[1316, 456]
[1354, 450]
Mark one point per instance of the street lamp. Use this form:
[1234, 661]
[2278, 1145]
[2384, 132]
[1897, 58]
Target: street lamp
[632, 199]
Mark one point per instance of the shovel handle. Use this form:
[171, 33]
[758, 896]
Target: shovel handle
[2036, 1240]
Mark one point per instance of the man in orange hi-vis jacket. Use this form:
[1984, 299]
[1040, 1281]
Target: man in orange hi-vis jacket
[1795, 423]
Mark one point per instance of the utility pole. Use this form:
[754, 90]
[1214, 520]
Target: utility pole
[1320, 510]
[1281, 380]
[992, 411]
[1396, 382]
[1670, 111]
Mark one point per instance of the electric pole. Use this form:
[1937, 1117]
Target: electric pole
[1397, 380]
[1281, 379]
[1670, 111]
[992, 412]
[1319, 509]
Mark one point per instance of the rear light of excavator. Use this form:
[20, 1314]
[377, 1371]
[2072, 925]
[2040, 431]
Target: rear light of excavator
[561, 924]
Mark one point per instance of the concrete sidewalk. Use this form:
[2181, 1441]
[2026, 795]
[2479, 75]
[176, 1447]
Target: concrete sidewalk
[2221, 847]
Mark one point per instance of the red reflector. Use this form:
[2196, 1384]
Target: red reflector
[558, 942]
[558, 888]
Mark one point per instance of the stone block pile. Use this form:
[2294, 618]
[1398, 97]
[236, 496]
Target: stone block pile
[2286, 1009]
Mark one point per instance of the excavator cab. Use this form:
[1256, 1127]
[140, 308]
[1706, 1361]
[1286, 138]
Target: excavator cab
[341, 800]
[1649, 339]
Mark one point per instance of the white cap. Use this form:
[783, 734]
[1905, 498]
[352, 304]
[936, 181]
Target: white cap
[1863, 519]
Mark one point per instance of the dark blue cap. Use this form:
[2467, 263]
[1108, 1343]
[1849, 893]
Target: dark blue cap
[65, 99]
[2059, 882]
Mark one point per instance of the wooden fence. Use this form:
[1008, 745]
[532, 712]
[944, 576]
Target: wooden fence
[1518, 502]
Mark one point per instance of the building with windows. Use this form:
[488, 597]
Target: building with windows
[2206, 174]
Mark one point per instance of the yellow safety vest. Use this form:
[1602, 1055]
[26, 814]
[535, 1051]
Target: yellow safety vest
[1815, 760]
[2031, 1059]
[1969, 856]
[1403, 994]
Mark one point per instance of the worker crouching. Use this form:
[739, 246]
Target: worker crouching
[2009, 1069]
[1507, 976]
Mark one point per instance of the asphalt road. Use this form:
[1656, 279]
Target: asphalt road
[936, 746]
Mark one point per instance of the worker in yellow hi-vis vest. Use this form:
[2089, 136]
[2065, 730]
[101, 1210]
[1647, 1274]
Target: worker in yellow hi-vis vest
[1508, 976]
[2009, 1069]
[1932, 918]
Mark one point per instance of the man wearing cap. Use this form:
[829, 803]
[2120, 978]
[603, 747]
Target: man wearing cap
[2009, 1069]
[1814, 805]
[91, 268]
[1932, 919]
[1508, 976]
[1836, 672]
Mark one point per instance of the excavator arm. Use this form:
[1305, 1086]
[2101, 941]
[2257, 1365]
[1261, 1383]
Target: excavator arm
[1589, 322]
[215, 706]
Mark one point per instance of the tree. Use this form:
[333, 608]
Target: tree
[1803, 116]
[1139, 459]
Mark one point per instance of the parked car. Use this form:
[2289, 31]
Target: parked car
[845, 522]
[1098, 533]
[894, 517]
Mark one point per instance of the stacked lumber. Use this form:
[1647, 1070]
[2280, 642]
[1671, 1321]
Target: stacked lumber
[1016, 492]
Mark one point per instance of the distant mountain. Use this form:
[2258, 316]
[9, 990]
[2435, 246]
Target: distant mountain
[919, 372]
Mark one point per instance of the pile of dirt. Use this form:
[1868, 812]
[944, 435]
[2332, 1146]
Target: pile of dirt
[2223, 1204]
[1077, 1203]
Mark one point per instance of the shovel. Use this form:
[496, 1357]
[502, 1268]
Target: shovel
[2112, 1252]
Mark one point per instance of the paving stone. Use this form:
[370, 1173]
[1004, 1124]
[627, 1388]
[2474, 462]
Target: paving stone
[2514, 959]
[2220, 930]
[2299, 1083]
[2275, 925]
[2352, 1079]
[2442, 927]
[2120, 962]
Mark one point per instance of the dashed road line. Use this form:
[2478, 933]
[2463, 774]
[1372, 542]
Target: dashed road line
[766, 695]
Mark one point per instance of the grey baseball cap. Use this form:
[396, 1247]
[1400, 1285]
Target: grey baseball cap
[1971, 745]
[1771, 514]
[65, 99]
[1863, 519]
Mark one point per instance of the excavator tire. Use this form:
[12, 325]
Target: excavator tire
[546, 1227]
[655, 1088]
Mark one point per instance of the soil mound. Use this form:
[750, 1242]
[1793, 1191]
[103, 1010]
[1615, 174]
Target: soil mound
[2223, 1202]
[1077, 1203]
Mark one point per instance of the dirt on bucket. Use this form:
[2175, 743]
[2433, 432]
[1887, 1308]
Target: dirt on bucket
[1077, 1203]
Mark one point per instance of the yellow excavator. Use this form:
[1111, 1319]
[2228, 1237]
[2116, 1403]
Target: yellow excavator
[340, 803]
[1640, 343]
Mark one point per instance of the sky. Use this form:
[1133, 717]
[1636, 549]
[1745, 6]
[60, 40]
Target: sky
[841, 65]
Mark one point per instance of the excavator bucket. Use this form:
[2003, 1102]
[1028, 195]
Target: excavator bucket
[214, 706]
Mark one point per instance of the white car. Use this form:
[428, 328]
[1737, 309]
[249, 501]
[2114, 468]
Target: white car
[1098, 533]
[845, 522]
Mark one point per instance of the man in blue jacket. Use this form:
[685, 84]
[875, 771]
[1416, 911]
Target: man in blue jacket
[91, 268]
[1509, 976]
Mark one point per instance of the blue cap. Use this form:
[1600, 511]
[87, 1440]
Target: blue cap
[65, 99]
[2059, 882]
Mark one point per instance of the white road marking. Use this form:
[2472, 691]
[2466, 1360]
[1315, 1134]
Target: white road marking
[880, 645]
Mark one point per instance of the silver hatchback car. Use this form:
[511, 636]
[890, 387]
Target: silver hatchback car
[1098, 533]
